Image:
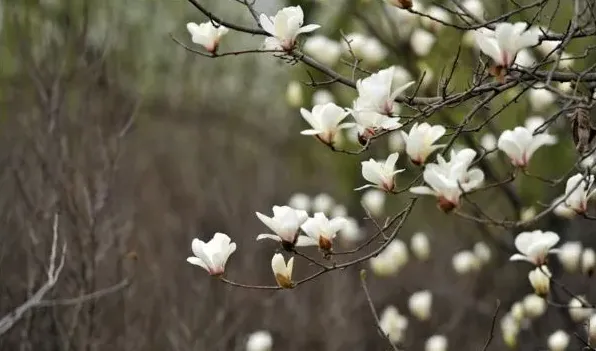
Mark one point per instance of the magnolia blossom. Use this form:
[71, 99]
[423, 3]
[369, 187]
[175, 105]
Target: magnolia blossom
[351, 231]
[373, 201]
[465, 262]
[294, 94]
[475, 7]
[389, 261]
[380, 173]
[540, 280]
[323, 203]
[561, 209]
[259, 341]
[300, 201]
[577, 192]
[577, 309]
[488, 142]
[527, 214]
[282, 271]
[569, 255]
[448, 180]
[284, 27]
[321, 230]
[482, 251]
[438, 13]
[588, 261]
[393, 324]
[285, 223]
[510, 329]
[368, 49]
[325, 121]
[535, 246]
[558, 341]
[420, 246]
[422, 42]
[436, 343]
[401, 75]
[206, 34]
[322, 97]
[503, 44]
[541, 98]
[323, 49]
[519, 144]
[534, 306]
[339, 211]
[420, 304]
[517, 311]
[420, 141]
[548, 47]
[525, 59]
[212, 255]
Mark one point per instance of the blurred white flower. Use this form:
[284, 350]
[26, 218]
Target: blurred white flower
[422, 42]
[325, 121]
[534, 246]
[566, 87]
[577, 192]
[533, 123]
[510, 330]
[438, 13]
[567, 60]
[206, 34]
[420, 304]
[285, 225]
[294, 94]
[393, 324]
[322, 230]
[503, 44]
[259, 341]
[282, 271]
[323, 203]
[488, 141]
[212, 255]
[561, 209]
[527, 214]
[534, 306]
[577, 311]
[482, 251]
[420, 141]
[548, 47]
[284, 27]
[365, 48]
[541, 98]
[389, 261]
[540, 280]
[569, 255]
[374, 201]
[475, 7]
[420, 246]
[517, 311]
[465, 262]
[299, 201]
[519, 144]
[436, 343]
[588, 261]
[323, 49]
[380, 174]
[351, 231]
[558, 341]
[322, 97]
[401, 75]
[396, 142]
[525, 59]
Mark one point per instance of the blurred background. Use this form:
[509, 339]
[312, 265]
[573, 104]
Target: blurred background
[140, 146]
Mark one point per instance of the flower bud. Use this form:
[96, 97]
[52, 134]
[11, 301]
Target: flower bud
[569, 255]
[294, 95]
[436, 343]
[390, 260]
[482, 252]
[422, 42]
[420, 246]
[393, 324]
[488, 142]
[373, 200]
[528, 214]
[282, 271]
[259, 341]
[339, 211]
[588, 261]
[577, 311]
[541, 99]
[322, 97]
[323, 203]
[534, 306]
[420, 304]
[517, 311]
[558, 341]
[299, 201]
[540, 280]
[510, 330]
[465, 262]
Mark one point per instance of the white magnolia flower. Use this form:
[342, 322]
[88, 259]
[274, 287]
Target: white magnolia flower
[212, 255]
[368, 49]
[325, 121]
[519, 144]
[420, 141]
[588, 261]
[396, 142]
[488, 142]
[510, 329]
[577, 192]
[323, 49]
[548, 47]
[322, 97]
[436, 343]
[321, 230]
[482, 251]
[422, 42]
[569, 255]
[558, 341]
[540, 280]
[393, 324]
[534, 246]
[566, 87]
[373, 200]
[259, 341]
[420, 246]
[282, 271]
[525, 59]
[534, 306]
[440, 14]
[294, 94]
[206, 34]
[517, 311]
[448, 180]
[285, 225]
[541, 98]
[562, 210]
[577, 311]
[351, 231]
[401, 76]
[389, 261]
[323, 203]
[299, 201]
[339, 211]
[536, 124]
[475, 7]
[380, 174]
[503, 44]
[465, 262]
[420, 304]
[284, 27]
